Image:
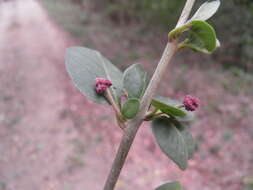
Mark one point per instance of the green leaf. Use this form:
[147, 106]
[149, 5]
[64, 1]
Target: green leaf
[170, 186]
[135, 81]
[168, 106]
[202, 37]
[190, 116]
[189, 141]
[171, 141]
[176, 32]
[206, 10]
[131, 108]
[85, 65]
[186, 117]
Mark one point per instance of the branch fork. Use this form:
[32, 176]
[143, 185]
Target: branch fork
[133, 125]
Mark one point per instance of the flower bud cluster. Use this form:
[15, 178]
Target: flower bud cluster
[102, 84]
[191, 103]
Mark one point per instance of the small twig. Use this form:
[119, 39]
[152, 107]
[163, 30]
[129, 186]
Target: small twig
[150, 113]
[133, 125]
[116, 109]
[121, 123]
[112, 102]
[153, 116]
[185, 13]
[180, 106]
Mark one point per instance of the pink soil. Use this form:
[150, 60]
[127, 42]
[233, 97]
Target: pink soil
[52, 138]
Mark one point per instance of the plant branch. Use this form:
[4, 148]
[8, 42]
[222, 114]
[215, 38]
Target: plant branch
[124, 147]
[133, 126]
[168, 53]
[116, 109]
[185, 13]
[112, 102]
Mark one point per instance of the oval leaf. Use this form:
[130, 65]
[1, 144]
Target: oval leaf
[135, 81]
[85, 65]
[131, 108]
[170, 186]
[202, 37]
[171, 141]
[189, 141]
[168, 106]
[189, 115]
[206, 10]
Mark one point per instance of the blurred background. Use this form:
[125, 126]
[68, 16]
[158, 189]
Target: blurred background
[53, 138]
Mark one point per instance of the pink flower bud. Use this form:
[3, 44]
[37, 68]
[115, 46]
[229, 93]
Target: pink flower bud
[191, 103]
[100, 89]
[103, 81]
[102, 84]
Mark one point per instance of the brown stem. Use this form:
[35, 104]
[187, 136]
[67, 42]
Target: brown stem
[112, 102]
[151, 117]
[133, 126]
[116, 109]
[186, 12]
[124, 147]
[151, 113]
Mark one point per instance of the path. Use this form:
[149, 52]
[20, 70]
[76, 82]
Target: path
[35, 139]
[49, 140]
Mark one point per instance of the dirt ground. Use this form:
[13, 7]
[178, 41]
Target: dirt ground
[52, 138]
